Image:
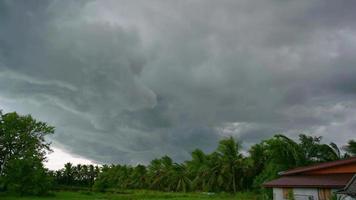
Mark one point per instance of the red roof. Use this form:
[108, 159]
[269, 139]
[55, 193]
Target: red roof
[319, 166]
[311, 181]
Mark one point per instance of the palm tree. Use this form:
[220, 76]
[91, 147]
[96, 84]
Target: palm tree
[159, 172]
[77, 175]
[138, 177]
[84, 175]
[179, 179]
[198, 169]
[68, 173]
[287, 152]
[351, 147]
[92, 175]
[329, 152]
[314, 151]
[231, 161]
[255, 163]
[215, 177]
[336, 150]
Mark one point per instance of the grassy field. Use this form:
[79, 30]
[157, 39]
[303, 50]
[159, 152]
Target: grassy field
[133, 195]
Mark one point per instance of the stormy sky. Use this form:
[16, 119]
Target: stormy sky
[127, 81]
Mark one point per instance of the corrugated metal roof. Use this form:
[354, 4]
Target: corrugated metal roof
[311, 181]
[318, 166]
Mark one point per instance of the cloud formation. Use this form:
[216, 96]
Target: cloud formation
[127, 81]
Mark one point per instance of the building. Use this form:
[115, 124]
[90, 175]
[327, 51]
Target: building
[350, 189]
[317, 182]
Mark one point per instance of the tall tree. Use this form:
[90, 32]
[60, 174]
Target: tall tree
[139, 177]
[159, 172]
[215, 175]
[282, 153]
[22, 140]
[92, 174]
[231, 162]
[179, 179]
[198, 170]
[68, 173]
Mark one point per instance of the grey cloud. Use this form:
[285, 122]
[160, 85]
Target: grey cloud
[127, 81]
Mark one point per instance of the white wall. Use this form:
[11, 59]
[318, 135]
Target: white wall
[305, 193]
[301, 194]
[277, 194]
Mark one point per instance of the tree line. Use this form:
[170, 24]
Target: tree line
[79, 175]
[226, 169]
[23, 149]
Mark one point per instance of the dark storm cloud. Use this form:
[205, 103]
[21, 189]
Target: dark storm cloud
[127, 81]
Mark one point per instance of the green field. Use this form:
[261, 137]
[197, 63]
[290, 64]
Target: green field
[132, 196]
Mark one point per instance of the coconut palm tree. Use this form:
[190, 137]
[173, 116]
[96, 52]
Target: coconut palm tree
[215, 176]
[179, 179]
[198, 170]
[92, 175]
[68, 173]
[231, 160]
[351, 147]
[139, 177]
[159, 173]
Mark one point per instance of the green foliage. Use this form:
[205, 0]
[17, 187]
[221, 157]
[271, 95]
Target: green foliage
[270, 172]
[266, 194]
[351, 147]
[198, 170]
[282, 153]
[231, 161]
[22, 150]
[27, 176]
[290, 195]
[224, 170]
[138, 177]
[137, 195]
[80, 175]
[159, 173]
[220, 171]
[338, 197]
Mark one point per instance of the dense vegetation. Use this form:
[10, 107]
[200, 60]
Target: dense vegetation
[225, 169]
[23, 149]
[135, 195]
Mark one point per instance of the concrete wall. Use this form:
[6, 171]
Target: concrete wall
[305, 193]
[302, 194]
[299, 194]
[277, 194]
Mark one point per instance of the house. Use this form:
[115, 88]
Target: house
[350, 189]
[317, 182]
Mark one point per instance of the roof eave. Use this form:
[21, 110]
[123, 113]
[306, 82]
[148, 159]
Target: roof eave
[304, 186]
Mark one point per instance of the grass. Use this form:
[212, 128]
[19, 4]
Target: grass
[133, 195]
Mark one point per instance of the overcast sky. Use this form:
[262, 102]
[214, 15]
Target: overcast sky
[127, 81]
